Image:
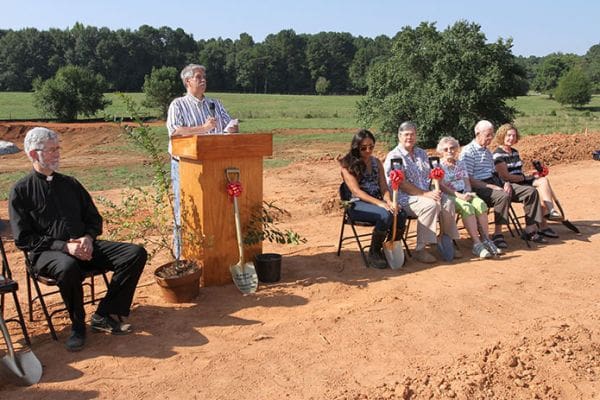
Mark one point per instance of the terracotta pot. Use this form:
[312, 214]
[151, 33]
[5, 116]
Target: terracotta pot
[179, 289]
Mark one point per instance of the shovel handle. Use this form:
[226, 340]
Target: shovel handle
[395, 201]
[9, 346]
[232, 174]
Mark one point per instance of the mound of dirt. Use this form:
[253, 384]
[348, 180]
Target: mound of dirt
[519, 370]
[558, 148]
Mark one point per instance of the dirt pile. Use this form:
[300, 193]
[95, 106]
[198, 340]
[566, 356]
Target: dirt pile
[522, 370]
[558, 148]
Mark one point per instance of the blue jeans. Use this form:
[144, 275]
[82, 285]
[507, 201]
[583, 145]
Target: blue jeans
[382, 218]
[176, 208]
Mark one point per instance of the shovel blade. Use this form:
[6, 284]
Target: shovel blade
[394, 254]
[244, 276]
[23, 370]
[445, 247]
[570, 225]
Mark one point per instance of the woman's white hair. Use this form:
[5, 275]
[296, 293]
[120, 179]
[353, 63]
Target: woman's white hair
[447, 139]
[37, 137]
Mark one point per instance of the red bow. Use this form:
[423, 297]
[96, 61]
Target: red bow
[234, 189]
[436, 173]
[544, 172]
[396, 178]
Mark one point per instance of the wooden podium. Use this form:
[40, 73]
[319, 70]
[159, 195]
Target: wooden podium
[206, 210]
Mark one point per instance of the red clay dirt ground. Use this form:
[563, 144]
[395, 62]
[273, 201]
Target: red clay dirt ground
[526, 326]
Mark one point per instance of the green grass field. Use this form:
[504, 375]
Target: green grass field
[265, 113]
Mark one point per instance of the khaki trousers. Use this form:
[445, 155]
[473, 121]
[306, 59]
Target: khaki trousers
[427, 212]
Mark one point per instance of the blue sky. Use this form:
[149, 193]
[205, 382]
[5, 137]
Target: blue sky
[537, 27]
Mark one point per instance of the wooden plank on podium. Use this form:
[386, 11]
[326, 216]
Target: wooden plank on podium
[206, 209]
[219, 147]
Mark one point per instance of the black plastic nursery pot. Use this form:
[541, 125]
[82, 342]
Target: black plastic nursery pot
[268, 267]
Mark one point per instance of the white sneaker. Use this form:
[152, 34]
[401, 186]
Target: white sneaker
[481, 251]
[492, 247]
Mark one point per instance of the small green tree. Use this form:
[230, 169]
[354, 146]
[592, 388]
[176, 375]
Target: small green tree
[322, 85]
[161, 86]
[72, 91]
[574, 88]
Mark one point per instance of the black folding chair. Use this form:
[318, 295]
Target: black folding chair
[8, 285]
[36, 279]
[513, 219]
[345, 196]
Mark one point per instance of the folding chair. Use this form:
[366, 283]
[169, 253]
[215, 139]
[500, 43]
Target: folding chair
[347, 220]
[36, 279]
[8, 285]
[514, 220]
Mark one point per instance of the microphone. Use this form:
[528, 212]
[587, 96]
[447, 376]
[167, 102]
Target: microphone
[211, 109]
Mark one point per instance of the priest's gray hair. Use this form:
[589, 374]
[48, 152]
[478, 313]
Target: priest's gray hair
[36, 139]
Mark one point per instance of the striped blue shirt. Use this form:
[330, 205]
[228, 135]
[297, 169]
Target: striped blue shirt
[478, 160]
[189, 111]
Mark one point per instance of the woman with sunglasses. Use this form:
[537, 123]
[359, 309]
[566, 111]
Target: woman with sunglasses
[365, 183]
[471, 208]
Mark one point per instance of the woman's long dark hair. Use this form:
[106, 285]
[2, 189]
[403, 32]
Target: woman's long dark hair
[352, 160]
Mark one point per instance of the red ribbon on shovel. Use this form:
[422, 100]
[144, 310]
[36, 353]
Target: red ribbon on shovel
[396, 178]
[437, 173]
[234, 189]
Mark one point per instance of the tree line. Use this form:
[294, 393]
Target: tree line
[285, 62]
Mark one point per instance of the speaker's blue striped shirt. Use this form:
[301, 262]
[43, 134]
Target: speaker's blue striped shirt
[188, 111]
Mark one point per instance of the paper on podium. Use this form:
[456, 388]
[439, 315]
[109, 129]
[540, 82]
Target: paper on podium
[230, 125]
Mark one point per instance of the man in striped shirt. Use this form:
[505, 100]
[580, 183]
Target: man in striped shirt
[485, 182]
[479, 162]
[193, 114]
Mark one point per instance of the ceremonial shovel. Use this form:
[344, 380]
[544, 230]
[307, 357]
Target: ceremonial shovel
[445, 244]
[392, 249]
[243, 274]
[22, 369]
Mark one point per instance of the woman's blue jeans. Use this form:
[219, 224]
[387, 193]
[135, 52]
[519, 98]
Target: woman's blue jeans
[382, 218]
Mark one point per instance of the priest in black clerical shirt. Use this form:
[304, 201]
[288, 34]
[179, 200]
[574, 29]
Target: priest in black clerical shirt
[55, 221]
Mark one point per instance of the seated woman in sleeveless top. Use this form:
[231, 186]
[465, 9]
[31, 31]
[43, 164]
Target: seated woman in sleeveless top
[509, 167]
[364, 177]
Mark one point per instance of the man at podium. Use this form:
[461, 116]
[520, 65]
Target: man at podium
[193, 114]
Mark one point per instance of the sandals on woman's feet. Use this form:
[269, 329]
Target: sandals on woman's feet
[499, 241]
[548, 232]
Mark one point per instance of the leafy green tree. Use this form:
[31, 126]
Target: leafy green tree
[369, 52]
[550, 70]
[443, 81]
[329, 54]
[574, 88]
[214, 57]
[285, 60]
[591, 66]
[322, 85]
[161, 86]
[73, 90]
[24, 55]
